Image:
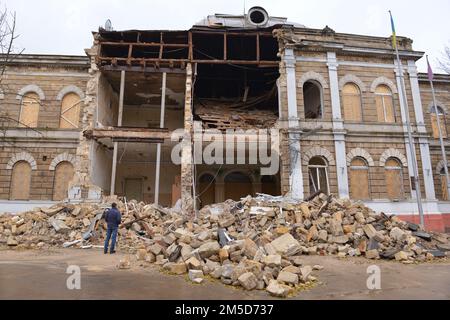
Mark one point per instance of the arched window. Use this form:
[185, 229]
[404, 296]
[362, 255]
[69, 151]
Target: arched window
[394, 179]
[444, 189]
[318, 175]
[237, 185]
[29, 111]
[207, 190]
[442, 121]
[70, 111]
[21, 181]
[351, 96]
[385, 104]
[64, 173]
[313, 100]
[359, 179]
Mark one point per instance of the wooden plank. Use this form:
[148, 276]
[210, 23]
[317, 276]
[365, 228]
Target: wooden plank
[21, 181]
[131, 133]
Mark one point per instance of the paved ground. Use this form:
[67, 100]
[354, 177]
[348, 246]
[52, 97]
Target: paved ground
[42, 275]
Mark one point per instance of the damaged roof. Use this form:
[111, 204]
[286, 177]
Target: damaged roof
[256, 18]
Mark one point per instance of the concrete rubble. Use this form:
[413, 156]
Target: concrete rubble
[256, 244]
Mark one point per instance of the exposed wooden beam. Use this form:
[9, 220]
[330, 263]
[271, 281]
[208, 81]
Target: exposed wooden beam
[128, 133]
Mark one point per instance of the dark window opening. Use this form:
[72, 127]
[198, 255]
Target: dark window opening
[312, 94]
[257, 17]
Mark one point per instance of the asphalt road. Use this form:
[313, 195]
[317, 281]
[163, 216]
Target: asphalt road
[42, 275]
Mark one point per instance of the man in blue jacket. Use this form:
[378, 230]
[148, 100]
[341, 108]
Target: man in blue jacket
[113, 219]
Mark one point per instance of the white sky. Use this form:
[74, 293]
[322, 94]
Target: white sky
[64, 26]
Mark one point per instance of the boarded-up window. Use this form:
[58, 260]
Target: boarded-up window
[313, 100]
[359, 179]
[442, 122]
[21, 181]
[444, 189]
[394, 179]
[29, 112]
[385, 104]
[318, 175]
[351, 96]
[63, 175]
[70, 111]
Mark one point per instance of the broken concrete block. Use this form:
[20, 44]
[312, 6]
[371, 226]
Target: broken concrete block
[175, 268]
[249, 249]
[306, 272]
[286, 245]
[248, 281]
[401, 256]
[372, 254]
[156, 249]
[370, 230]
[227, 221]
[272, 261]
[397, 234]
[209, 249]
[59, 225]
[141, 254]
[194, 275]
[193, 264]
[12, 242]
[279, 290]
[288, 278]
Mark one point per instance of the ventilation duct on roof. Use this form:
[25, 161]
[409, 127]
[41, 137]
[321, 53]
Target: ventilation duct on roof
[258, 16]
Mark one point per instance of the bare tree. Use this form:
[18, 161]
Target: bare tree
[445, 61]
[8, 36]
[8, 53]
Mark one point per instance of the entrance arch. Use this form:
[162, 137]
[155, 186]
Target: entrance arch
[237, 185]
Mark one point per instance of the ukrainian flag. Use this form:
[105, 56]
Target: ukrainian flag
[394, 35]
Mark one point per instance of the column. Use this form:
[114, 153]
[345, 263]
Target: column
[159, 146]
[405, 129]
[187, 181]
[119, 124]
[338, 128]
[296, 174]
[427, 168]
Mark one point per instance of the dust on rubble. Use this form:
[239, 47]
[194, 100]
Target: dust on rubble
[253, 244]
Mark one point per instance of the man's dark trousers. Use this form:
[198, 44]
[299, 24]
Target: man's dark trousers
[111, 233]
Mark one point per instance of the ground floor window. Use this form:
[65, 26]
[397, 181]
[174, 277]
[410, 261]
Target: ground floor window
[318, 175]
[394, 179]
[359, 179]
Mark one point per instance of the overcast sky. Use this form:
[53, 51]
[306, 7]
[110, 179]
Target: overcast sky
[63, 26]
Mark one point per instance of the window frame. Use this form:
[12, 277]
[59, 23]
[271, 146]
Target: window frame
[383, 97]
[317, 169]
[366, 167]
[39, 103]
[361, 109]
[322, 107]
[438, 111]
[400, 170]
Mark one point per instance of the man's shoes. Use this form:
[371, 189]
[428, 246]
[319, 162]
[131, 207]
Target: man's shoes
[106, 252]
[113, 252]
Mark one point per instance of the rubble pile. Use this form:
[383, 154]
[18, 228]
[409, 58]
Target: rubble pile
[256, 243]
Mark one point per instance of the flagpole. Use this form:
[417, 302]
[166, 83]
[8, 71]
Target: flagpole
[408, 125]
[441, 138]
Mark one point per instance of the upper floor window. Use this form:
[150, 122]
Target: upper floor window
[29, 110]
[442, 121]
[70, 111]
[351, 96]
[313, 100]
[385, 104]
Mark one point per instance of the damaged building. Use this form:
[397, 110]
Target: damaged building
[80, 128]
